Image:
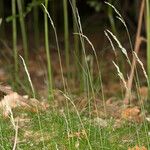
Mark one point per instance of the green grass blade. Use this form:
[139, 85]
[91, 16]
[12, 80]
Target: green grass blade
[66, 35]
[23, 30]
[48, 52]
[14, 37]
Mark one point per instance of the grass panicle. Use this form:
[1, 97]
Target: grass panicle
[71, 121]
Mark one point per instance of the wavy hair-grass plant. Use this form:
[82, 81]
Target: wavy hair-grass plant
[119, 45]
[87, 77]
[123, 22]
[142, 105]
[57, 45]
[33, 92]
[97, 63]
[81, 122]
[126, 55]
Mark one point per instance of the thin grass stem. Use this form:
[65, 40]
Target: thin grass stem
[14, 37]
[2, 28]
[36, 24]
[57, 45]
[148, 39]
[50, 84]
[23, 30]
[75, 28]
[66, 36]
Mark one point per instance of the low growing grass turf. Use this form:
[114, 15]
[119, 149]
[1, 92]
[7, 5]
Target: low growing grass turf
[62, 131]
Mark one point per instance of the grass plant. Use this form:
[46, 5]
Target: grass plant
[57, 45]
[137, 81]
[113, 27]
[69, 127]
[111, 19]
[77, 52]
[56, 134]
[75, 29]
[34, 96]
[85, 76]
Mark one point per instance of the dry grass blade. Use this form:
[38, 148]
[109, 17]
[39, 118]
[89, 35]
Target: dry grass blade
[16, 136]
[29, 78]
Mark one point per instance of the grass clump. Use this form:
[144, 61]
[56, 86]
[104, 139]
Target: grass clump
[69, 122]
